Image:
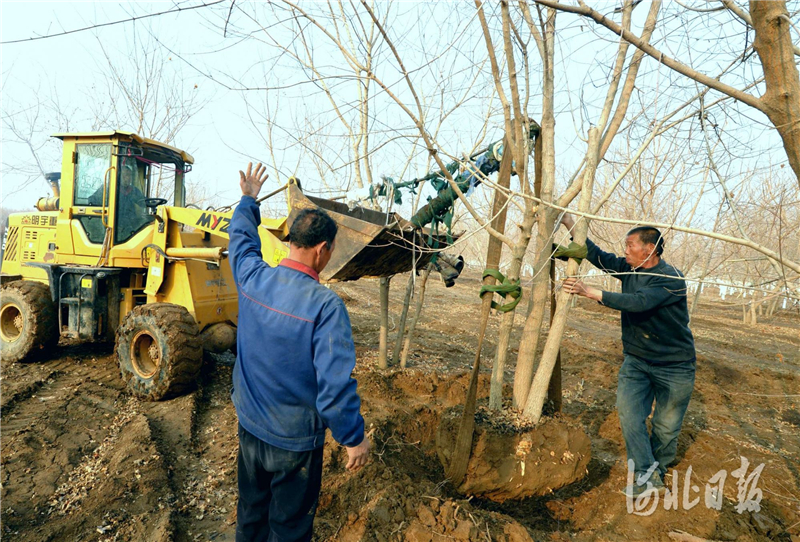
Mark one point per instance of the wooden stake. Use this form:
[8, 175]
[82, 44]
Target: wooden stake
[384, 337]
[463, 447]
[417, 312]
[401, 327]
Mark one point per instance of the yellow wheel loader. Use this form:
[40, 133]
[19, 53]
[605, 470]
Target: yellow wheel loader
[106, 259]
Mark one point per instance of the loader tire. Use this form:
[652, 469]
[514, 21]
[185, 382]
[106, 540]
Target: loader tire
[159, 351]
[28, 323]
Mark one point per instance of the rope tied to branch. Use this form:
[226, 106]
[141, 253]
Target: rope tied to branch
[505, 288]
[573, 250]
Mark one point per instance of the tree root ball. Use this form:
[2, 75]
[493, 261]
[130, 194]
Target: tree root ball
[508, 463]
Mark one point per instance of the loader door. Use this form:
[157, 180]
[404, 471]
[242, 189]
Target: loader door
[92, 192]
[130, 211]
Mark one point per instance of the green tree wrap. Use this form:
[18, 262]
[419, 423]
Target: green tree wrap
[506, 287]
[574, 250]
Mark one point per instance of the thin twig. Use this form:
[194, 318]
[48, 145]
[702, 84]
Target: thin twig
[130, 19]
[225, 29]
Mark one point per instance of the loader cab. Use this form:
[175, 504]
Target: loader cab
[111, 184]
[131, 209]
[146, 177]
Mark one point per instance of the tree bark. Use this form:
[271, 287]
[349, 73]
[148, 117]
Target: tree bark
[519, 139]
[507, 321]
[545, 164]
[499, 211]
[554, 388]
[538, 392]
[773, 43]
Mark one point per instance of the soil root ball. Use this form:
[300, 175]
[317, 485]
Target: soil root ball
[507, 464]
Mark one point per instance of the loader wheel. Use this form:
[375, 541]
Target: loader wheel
[28, 323]
[159, 351]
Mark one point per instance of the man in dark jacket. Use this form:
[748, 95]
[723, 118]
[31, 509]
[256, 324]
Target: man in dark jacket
[292, 377]
[658, 348]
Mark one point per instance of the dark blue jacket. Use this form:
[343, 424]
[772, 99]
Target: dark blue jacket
[655, 317]
[292, 377]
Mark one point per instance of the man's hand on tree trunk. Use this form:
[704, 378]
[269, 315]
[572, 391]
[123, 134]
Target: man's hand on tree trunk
[569, 222]
[574, 286]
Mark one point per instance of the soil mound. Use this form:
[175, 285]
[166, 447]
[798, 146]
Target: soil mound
[509, 462]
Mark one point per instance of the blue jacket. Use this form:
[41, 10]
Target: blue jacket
[292, 377]
[655, 317]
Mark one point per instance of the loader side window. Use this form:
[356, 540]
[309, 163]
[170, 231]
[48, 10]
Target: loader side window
[93, 161]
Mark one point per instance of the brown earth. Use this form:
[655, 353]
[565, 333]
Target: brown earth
[511, 462]
[83, 460]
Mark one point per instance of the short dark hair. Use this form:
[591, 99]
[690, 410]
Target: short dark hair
[311, 227]
[650, 235]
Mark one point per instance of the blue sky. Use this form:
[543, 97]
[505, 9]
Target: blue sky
[442, 48]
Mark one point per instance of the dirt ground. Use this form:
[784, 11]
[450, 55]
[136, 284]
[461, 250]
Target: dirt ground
[83, 460]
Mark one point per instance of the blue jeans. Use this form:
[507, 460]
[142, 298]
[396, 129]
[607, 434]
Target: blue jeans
[639, 384]
[278, 491]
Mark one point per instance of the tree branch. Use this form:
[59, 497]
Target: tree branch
[648, 49]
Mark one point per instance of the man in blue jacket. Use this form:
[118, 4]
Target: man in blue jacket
[292, 377]
[658, 348]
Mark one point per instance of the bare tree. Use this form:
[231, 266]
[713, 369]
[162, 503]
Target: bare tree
[773, 43]
[650, 176]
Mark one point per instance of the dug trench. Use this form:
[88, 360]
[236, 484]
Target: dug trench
[83, 460]
[413, 417]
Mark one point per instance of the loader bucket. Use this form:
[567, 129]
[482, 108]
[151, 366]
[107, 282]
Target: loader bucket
[369, 243]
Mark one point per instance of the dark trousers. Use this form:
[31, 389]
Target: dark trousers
[639, 384]
[278, 491]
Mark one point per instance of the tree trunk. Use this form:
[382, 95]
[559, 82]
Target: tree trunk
[384, 336]
[773, 43]
[520, 139]
[538, 392]
[417, 312]
[554, 388]
[544, 186]
[696, 297]
[499, 212]
[401, 327]
[507, 321]
[521, 151]
[772, 305]
[531, 332]
[753, 320]
[703, 274]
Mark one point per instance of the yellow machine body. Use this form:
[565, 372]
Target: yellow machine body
[177, 255]
[115, 254]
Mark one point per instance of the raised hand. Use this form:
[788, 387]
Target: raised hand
[252, 181]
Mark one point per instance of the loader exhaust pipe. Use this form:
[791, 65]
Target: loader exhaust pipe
[51, 204]
[53, 179]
